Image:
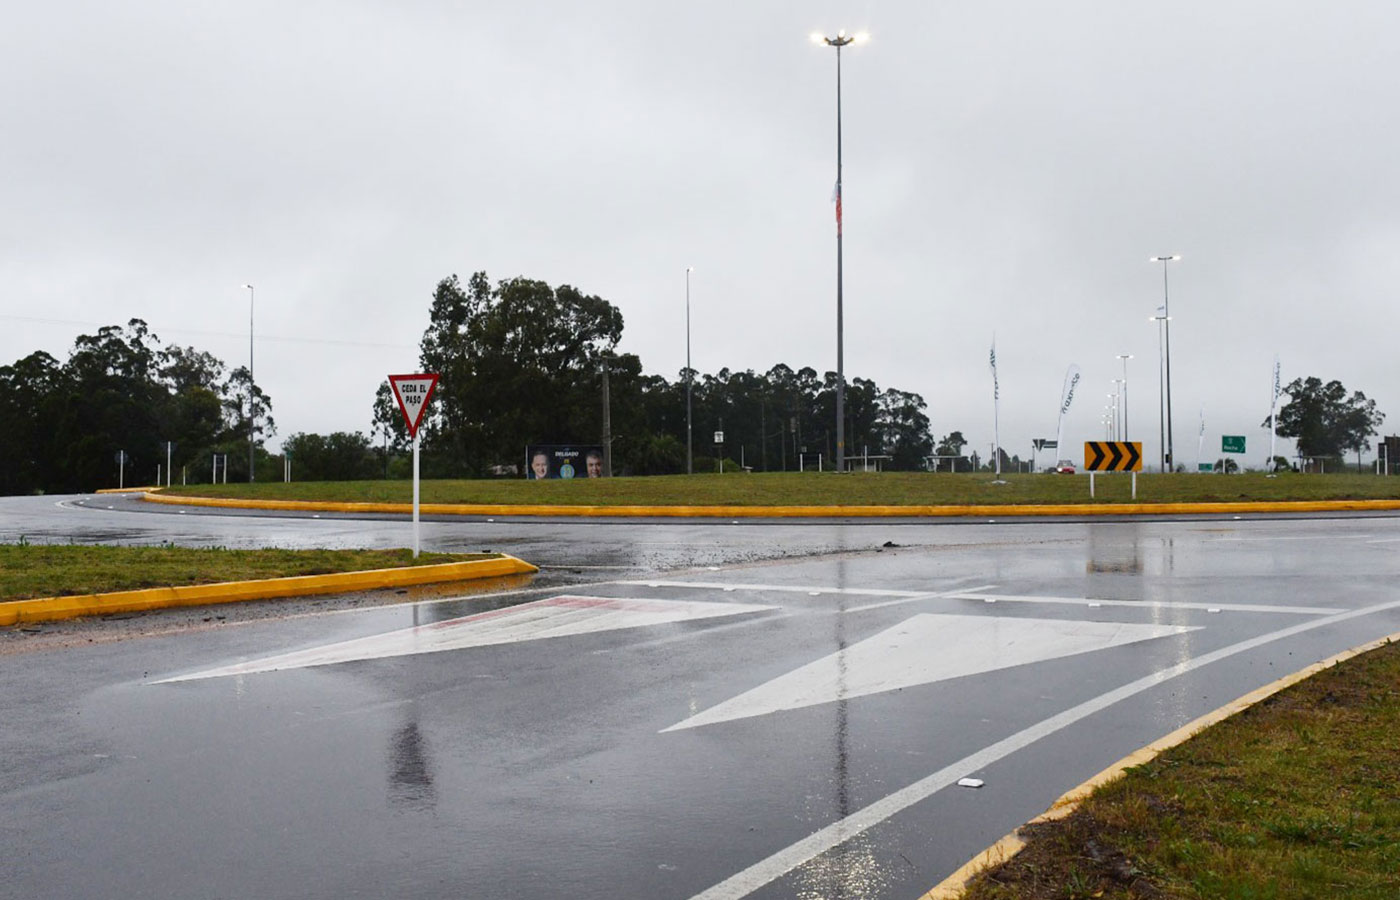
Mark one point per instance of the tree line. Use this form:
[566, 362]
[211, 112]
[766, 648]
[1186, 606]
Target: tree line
[520, 362]
[63, 424]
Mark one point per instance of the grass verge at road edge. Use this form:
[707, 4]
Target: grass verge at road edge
[45, 609]
[1005, 851]
[783, 512]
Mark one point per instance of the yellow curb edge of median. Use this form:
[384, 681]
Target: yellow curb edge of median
[952, 887]
[779, 512]
[45, 609]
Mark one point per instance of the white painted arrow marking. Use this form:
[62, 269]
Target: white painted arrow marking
[554, 617]
[927, 648]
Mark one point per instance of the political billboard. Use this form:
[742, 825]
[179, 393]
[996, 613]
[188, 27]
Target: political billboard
[563, 461]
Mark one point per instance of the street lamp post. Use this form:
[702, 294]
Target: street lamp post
[1120, 426]
[252, 410]
[689, 462]
[1125, 357]
[1161, 394]
[1167, 343]
[841, 40]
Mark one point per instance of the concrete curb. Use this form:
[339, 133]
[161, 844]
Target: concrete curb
[47, 609]
[953, 886]
[788, 512]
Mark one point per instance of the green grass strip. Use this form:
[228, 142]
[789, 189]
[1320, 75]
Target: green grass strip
[1293, 798]
[28, 570]
[829, 489]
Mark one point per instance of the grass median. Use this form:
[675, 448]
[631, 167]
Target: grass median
[29, 570]
[829, 489]
[1293, 798]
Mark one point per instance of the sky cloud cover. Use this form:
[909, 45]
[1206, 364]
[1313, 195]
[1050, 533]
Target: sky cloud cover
[1009, 169]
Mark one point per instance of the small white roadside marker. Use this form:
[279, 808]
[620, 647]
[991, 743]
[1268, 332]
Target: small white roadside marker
[970, 782]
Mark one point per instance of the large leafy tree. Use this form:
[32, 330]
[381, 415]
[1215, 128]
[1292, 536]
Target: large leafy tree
[1324, 419]
[520, 362]
[31, 396]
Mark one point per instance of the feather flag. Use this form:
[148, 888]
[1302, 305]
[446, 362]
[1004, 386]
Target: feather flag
[1066, 398]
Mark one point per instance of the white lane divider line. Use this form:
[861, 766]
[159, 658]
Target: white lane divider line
[774, 588]
[1147, 604]
[765, 871]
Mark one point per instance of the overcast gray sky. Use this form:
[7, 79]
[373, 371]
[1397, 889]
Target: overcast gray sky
[1009, 167]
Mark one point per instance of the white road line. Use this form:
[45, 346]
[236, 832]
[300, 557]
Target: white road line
[745, 882]
[1266, 539]
[780, 588]
[1147, 604]
[563, 567]
[931, 596]
[1385, 541]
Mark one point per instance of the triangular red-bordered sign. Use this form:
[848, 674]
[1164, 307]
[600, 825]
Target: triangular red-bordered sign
[413, 393]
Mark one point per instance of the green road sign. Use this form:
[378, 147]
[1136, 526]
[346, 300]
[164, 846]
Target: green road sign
[1232, 443]
[1205, 467]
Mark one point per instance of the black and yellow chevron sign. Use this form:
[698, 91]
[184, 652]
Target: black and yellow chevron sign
[1113, 456]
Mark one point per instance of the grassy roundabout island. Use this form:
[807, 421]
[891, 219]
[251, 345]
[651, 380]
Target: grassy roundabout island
[902, 489]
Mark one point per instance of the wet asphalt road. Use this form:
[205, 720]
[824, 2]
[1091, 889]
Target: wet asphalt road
[772, 711]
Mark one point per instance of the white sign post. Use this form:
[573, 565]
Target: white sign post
[413, 393]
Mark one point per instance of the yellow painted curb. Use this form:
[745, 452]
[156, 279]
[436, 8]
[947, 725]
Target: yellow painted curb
[51, 608]
[953, 886]
[786, 512]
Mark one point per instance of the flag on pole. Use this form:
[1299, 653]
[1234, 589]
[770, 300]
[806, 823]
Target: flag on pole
[1273, 415]
[996, 387]
[996, 408]
[836, 198]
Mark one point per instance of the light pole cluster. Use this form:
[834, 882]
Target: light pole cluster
[1164, 322]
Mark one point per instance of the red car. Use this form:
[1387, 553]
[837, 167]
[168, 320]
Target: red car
[1064, 467]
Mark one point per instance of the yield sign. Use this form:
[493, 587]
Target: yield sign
[413, 393]
[923, 649]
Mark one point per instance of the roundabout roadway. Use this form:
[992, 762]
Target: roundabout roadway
[670, 710]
